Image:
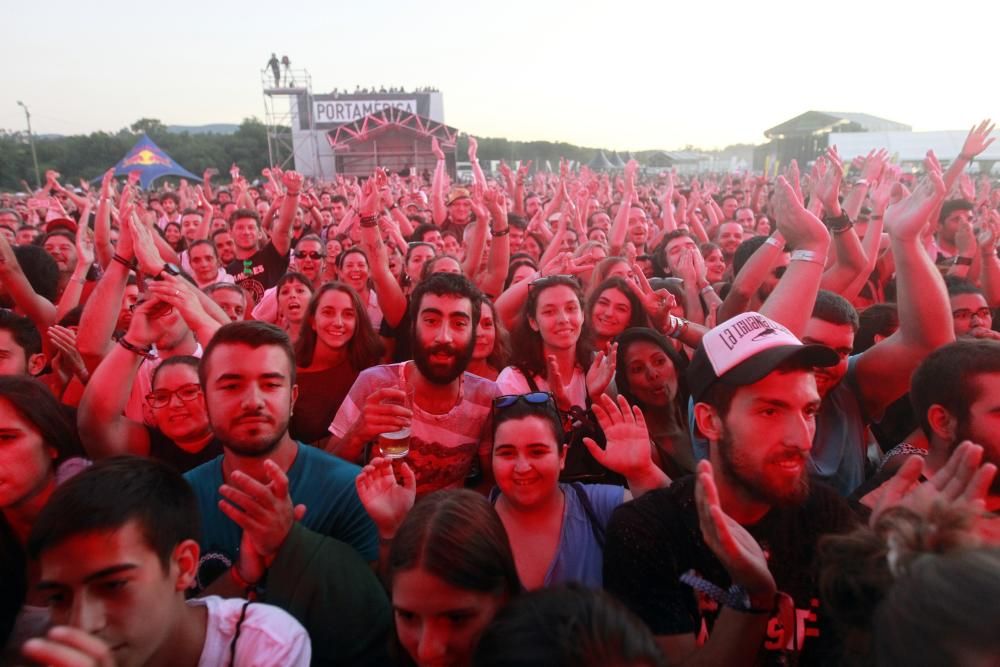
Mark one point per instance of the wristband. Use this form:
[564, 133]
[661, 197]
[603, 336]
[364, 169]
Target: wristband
[132, 266]
[249, 590]
[875, 217]
[369, 221]
[807, 256]
[962, 261]
[780, 245]
[135, 349]
[840, 223]
[394, 207]
[706, 288]
[292, 194]
[498, 234]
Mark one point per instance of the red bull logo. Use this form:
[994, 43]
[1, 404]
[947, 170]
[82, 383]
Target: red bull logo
[145, 158]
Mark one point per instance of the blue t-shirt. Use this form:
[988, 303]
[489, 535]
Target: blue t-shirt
[323, 483]
[580, 557]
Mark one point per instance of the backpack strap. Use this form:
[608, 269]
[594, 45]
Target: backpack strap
[588, 507]
[532, 385]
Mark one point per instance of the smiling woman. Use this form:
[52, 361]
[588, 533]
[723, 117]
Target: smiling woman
[336, 343]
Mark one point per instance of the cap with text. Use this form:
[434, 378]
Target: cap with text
[745, 349]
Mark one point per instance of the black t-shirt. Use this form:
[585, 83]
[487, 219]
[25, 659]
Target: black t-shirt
[655, 539]
[260, 272]
[166, 450]
[403, 351]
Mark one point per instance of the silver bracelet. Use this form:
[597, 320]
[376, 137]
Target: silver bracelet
[808, 256]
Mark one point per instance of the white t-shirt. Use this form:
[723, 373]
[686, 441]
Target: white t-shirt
[269, 636]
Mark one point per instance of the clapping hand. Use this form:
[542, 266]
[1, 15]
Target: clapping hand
[386, 501]
[735, 548]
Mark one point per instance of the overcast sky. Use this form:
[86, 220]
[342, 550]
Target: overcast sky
[620, 74]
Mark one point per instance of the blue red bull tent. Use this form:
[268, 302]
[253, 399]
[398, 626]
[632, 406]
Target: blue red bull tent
[151, 162]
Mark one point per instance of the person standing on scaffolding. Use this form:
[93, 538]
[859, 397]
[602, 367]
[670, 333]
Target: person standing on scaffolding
[273, 64]
[288, 74]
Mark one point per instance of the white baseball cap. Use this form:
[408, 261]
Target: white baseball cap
[745, 349]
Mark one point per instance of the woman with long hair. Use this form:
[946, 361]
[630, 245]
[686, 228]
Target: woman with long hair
[649, 373]
[556, 530]
[447, 562]
[336, 343]
[37, 452]
[354, 270]
[613, 307]
[492, 351]
[554, 352]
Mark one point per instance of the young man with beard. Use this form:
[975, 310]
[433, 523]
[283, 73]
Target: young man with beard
[672, 554]
[955, 393]
[450, 406]
[269, 504]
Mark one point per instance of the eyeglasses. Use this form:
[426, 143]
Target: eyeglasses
[966, 314]
[185, 392]
[299, 254]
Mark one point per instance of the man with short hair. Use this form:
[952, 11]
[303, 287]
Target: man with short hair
[729, 205]
[118, 547]
[954, 213]
[450, 406]
[955, 394]
[205, 267]
[729, 236]
[20, 345]
[668, 552]
[245, 499]
[970, 311]
[255, 269]
[230, 297]
[222, 239]
[745, 216]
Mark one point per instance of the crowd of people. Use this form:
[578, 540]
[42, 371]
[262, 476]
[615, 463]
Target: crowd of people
[542, 418]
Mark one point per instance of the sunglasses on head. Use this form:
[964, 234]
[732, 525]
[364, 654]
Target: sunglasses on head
[534, 398]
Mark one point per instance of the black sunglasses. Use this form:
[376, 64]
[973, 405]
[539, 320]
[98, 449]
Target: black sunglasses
[301, 254]
[534, 398]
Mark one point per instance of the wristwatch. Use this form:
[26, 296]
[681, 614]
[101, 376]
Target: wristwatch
[169, 268]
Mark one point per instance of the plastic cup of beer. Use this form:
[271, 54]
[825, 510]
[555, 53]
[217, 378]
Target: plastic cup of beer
[396, 445]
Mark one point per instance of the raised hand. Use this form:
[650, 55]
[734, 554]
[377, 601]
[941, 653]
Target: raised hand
[386, 501]
[370, 196]
[473, 148]
[801, 229]
[144, 247]
[601, 372]
[63, 340]
[978, 139]
[906, 218]
[628, 450]
[558, 386]
[881, 193]
[292, 180]
[436, 149]
[964, 479]
[827, 188]
[735, 548]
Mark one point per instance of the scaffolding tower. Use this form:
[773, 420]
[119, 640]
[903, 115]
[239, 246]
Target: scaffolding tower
[289, 119]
